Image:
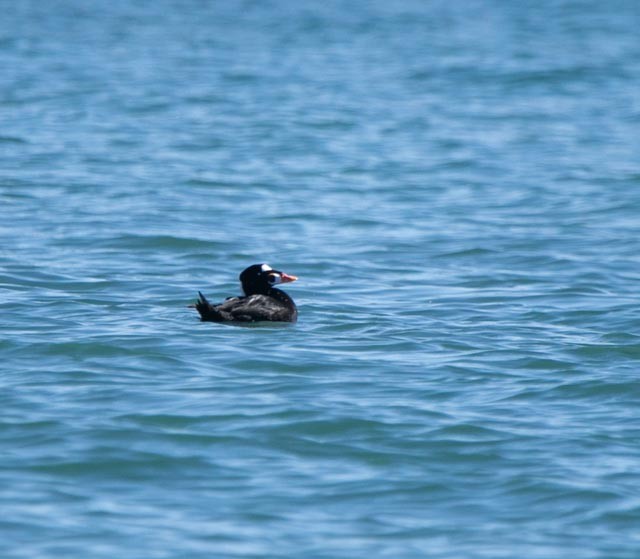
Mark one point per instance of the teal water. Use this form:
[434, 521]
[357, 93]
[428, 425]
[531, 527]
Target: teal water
[457, 185]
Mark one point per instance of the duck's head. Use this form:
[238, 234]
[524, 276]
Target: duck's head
[260, 278]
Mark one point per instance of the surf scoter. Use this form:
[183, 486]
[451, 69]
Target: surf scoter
[261, 301]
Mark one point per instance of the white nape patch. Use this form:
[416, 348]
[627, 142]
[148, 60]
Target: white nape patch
[242, 289]
[266, 268]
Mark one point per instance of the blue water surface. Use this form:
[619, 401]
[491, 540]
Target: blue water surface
[457, 185]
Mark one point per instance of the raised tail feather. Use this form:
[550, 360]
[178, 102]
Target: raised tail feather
[206, 310]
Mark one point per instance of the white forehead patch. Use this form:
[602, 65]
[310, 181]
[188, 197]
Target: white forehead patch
[266, 268]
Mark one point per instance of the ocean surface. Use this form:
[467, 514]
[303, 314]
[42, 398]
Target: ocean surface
[457, 185]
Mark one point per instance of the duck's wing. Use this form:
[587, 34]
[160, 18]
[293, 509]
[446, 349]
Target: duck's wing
[256, 308]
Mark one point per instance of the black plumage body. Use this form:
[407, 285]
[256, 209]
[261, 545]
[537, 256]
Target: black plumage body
[261, 302]
[251, 308]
